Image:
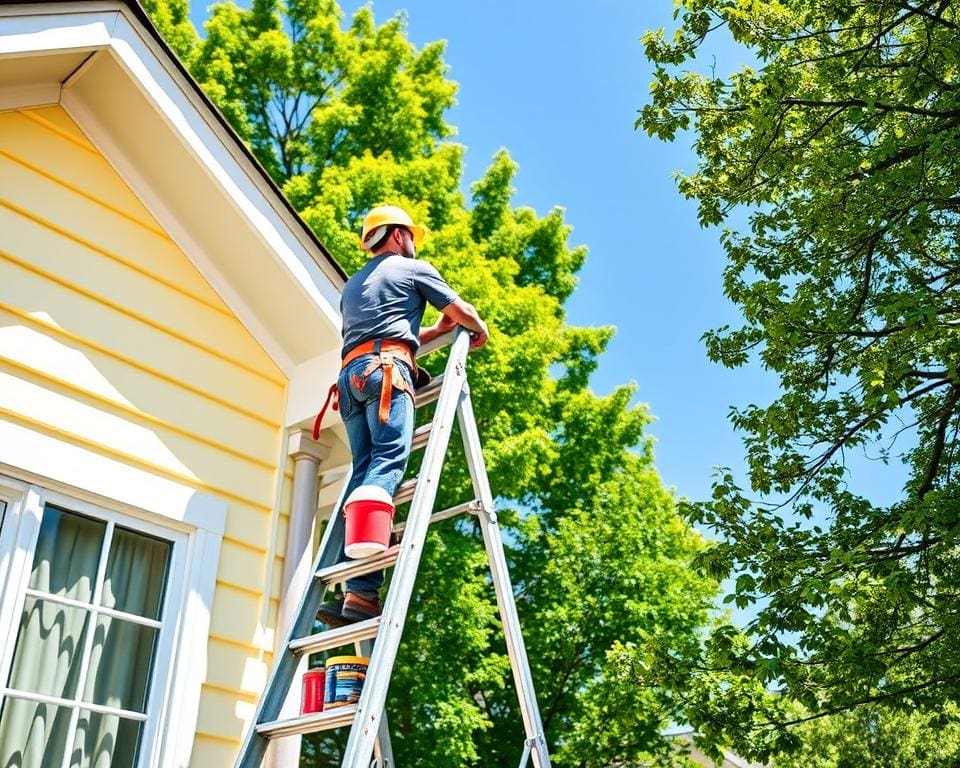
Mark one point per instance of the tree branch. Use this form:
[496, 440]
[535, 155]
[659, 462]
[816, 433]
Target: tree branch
[875, 699]
[879, 105]
[851, 431]
[936, 18]
[946, 413]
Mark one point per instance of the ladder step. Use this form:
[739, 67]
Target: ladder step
[473, 507]
[334, 638]
[429, 393]
[405, 491]
[351, 568]
[420, 436]
[316, 721]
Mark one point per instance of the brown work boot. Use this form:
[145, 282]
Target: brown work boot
[330, 612]
[360, 607]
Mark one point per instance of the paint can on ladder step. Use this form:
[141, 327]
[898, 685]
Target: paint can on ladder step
[369, 521]
[314, 691]
[345, 676]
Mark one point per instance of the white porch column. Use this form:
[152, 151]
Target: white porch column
[307, 455]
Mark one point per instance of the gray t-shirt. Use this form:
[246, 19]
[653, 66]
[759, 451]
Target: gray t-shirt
[386, 299]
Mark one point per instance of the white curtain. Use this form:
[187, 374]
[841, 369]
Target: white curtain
[51, 639]
[136, 573]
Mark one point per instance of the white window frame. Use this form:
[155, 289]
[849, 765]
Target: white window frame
[180, 656]
[32, 512]
[17, 496]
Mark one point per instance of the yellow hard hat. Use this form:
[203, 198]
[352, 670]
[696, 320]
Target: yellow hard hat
[383, 215]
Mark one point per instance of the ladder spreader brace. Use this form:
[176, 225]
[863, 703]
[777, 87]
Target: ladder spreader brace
[369, 735]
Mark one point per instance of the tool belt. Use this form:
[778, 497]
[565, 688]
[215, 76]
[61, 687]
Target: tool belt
[387, 352]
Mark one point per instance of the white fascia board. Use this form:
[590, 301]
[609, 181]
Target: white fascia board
[174, 98]
[35, 30]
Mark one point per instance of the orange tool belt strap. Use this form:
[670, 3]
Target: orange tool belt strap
[387, 351]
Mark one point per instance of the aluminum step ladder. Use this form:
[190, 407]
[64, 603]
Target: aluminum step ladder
[369, 743]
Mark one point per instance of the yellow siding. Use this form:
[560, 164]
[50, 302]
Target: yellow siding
[112, 341]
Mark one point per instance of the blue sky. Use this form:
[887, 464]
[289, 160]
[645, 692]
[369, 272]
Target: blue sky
[559, 86]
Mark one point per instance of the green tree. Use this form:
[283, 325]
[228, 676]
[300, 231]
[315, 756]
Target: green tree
[172, 18]
[346, 116]
[837, 151]
[875, 737]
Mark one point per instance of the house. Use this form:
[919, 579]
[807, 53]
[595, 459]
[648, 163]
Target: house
[168, 329]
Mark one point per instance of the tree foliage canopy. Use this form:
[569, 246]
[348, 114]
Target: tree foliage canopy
[838, 145]
[346, 116]
[875, 737]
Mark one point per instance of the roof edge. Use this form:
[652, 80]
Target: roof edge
[141, 14]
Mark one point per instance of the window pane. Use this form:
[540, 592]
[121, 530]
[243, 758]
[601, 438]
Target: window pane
[136, 573]
[120, 665]
[68, 553]
[105, 741]
[51, 640]
[46, 658]
[32, 735]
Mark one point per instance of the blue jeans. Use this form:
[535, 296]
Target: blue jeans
[380, 451]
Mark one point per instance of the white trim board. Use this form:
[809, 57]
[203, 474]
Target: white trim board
[31, 31]
[164, 85]
[174, 102]
[31, 95]
[188, 668]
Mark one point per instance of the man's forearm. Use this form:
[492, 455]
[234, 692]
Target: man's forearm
[431, 332]
[462, 313]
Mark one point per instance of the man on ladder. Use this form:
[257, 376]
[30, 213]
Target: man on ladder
[382, 307]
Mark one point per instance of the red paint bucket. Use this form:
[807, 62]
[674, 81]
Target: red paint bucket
[368, 526]
[313, 690]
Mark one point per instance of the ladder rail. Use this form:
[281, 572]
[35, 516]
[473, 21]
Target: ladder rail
[383, 747]
[380, 669]
[254, 747]
[444, 340]
[493, 542]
